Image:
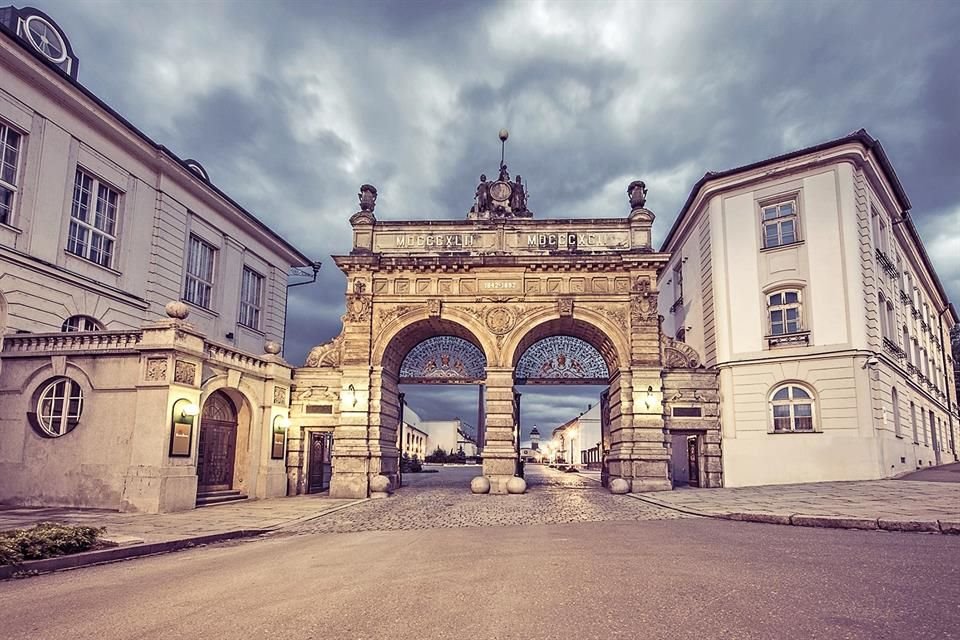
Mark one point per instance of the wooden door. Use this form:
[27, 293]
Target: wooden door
[217, 447]
[318, 476]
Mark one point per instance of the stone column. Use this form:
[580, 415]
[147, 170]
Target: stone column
[499, 453]
[351, 444]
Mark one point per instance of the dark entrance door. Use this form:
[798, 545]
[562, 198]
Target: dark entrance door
[320, 449]
[693, 462]
[217, 447]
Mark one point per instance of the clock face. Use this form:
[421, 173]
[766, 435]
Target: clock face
[500, 191]
[45, 39]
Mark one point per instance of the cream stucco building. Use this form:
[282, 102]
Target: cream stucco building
[804, 281]
[101, 228]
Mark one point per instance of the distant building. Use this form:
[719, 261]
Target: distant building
[452, 436]
[579, 441]
[415, 439]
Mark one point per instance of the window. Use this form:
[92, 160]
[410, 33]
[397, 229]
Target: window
[681, 334]
[783, 311]
[93, 220]
[779, 224]
[251, 298]
[81, 323]
[200, 259]
[913, 420]
[879, 232]
[791, 408]
[678, 282]
[9, 161]
[882, 310]
[906, 345]
[59, 407]
[896, 412]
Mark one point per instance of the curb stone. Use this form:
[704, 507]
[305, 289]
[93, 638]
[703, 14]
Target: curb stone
[127, 547]
[827, 522]
[951, 527]
[834, 522]
[909, 525]
[115, 554]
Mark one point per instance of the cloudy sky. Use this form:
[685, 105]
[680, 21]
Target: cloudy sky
[291, 106]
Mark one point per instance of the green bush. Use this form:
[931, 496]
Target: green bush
[46, 540]
[438, 455]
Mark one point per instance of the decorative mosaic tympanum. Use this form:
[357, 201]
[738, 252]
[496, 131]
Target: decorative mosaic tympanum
[444, 358]
[561, 357]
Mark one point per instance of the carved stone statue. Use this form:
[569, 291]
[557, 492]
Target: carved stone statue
[483, 194]
[504, 174]
[518, 197]
[637, 191]
[359, 286]
[368, 197]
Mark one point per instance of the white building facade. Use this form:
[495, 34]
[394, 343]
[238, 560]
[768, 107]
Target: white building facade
[100, 229]
[804, 281]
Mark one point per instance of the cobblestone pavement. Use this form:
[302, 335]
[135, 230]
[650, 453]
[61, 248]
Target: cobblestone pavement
[443, 500]
[883, 499]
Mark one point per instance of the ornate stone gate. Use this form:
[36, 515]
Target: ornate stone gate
[494, 287]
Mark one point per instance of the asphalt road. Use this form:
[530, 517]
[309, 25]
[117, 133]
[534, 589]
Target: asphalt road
[691, 578]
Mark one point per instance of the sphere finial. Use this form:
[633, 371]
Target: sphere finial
[504, 134]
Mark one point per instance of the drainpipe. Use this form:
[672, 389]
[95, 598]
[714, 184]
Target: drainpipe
[286, 301]
[946, 382]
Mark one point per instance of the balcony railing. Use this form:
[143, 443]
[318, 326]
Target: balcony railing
[676, 305]
[232, 357]
[894, 348]
[796, 339]
[887, 264]
[27, 343]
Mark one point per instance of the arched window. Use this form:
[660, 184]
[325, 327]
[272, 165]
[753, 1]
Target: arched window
[784, 312]
[896, 412]
[681, 334]
[906, 344]
[791, 409]
[81, 323]
[59, 407]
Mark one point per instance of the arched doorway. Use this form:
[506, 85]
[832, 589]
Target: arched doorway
[566, 371]
[217, 447]
[429, 399]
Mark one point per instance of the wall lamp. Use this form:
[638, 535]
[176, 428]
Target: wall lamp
[184, 411]
[281, 423]
[651, 399]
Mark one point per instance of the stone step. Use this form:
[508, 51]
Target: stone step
[212, 498]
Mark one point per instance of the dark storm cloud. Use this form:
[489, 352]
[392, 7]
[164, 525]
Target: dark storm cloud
[291, 106]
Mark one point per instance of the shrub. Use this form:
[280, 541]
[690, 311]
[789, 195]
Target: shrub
[438, 455]
[46, 540]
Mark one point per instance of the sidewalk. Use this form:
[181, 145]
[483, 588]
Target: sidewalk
[892, 505]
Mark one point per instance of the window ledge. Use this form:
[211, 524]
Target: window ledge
[91, 262]
[781, 246]
[194, 305]
[780, 433]
[897, 435]
[245, 327]
[8, 227]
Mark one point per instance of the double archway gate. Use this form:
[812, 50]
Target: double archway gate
[497, 302]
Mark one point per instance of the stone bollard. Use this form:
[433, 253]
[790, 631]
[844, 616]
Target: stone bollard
[480, 484]
[516, 485]
[619, 486]
[379, 487]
